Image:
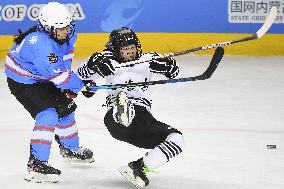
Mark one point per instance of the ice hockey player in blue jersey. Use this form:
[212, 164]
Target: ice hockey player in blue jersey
[38, 70]
[129, 116]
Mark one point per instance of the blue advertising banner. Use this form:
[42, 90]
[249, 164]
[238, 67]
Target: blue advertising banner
[202, 16]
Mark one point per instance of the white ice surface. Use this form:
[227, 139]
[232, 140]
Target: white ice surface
[227, 121]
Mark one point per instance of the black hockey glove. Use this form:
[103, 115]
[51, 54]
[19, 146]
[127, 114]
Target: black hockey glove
[164, 65]
[101, 64]
[64, 104]
[89, 83]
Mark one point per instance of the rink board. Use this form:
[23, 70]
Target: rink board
[268, 45]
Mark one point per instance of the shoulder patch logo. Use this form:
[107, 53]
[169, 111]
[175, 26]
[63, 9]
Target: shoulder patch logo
[52, 58]
[33, 40]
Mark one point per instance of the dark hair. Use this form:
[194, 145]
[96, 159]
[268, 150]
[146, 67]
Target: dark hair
[21, 36]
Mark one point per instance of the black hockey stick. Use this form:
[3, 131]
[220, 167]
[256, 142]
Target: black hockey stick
[216, 59]
[264, 28]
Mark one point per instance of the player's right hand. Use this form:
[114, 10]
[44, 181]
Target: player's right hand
[101, 64]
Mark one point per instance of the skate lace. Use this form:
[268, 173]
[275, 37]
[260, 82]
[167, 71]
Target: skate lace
[79, 150]
[48, 165]
[41, 166]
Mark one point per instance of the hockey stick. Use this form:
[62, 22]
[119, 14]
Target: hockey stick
[265, 27]
[216, 59]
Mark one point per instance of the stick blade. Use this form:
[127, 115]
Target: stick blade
[216, 59]
[268, 22]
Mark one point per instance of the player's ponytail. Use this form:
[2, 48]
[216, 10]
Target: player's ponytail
[20, 37]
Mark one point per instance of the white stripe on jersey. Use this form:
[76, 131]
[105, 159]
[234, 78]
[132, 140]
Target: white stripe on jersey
[18, 69]
[61, 78]
[68, 56]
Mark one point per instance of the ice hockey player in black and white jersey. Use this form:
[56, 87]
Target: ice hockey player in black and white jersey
[129, 117]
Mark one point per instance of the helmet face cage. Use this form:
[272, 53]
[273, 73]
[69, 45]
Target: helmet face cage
[120, 38]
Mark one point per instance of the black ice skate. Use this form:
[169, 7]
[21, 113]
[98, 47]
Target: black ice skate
[122, 108]
[80, 155]
[135, 173]
[40, 172]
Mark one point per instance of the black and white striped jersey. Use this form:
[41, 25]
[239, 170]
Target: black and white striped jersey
[137, 73]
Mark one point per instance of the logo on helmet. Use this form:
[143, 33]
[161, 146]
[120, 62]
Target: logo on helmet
[52, 58]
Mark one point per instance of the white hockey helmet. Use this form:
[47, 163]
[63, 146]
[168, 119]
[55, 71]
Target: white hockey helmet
[54, 15]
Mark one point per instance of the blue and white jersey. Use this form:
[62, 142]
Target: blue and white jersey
[41, 59]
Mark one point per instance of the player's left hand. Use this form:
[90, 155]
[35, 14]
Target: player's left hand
[70, 94]
[164, 65]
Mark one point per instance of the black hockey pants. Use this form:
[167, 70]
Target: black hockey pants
[40, 96]
[144, 131]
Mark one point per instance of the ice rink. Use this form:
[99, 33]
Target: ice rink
[227, 122]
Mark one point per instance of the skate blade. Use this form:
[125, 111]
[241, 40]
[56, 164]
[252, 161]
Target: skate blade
[127, 172]
[41, 178]
[77, 161]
